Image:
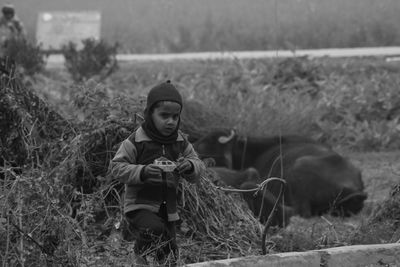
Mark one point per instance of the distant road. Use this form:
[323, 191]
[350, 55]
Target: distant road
[58, 60]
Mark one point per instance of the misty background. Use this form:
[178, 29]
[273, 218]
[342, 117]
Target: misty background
[158, 26]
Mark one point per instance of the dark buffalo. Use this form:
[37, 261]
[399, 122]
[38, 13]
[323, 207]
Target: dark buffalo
[318, 180]
[247, 180]
[256, 199]
[234, 178]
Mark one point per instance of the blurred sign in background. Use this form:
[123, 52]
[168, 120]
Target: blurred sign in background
[54, 29]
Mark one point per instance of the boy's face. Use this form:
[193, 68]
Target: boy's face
[166, 117]
[8, 16]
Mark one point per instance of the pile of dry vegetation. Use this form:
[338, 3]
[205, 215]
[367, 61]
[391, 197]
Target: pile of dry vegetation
[58, 200]
[55, 188]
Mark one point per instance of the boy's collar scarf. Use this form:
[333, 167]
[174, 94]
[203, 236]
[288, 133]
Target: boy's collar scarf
[152, 132]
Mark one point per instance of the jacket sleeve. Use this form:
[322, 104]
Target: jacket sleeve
[19, 26]
[198, 165]
[123, 166]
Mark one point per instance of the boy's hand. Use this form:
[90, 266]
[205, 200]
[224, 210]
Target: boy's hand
[150, 171]
[184, 166]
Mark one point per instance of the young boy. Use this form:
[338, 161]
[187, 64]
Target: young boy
[150, 162]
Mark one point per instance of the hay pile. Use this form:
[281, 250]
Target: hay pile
[198, 119]
[219, 225]
[33, 135]
[29, 127]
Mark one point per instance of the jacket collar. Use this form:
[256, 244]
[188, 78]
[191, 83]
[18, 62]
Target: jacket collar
[141, 136]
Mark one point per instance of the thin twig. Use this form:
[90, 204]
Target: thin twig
[19, 212]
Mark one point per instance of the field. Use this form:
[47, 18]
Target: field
[350, 103]
[58, 196]
[143, 26]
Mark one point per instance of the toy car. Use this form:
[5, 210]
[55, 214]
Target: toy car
[165, 164]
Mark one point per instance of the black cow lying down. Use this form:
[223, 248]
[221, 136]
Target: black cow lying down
[318, 180]
[249, 179]
[234, 178]
[267, 200]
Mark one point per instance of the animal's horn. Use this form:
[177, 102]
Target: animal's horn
[226, 139]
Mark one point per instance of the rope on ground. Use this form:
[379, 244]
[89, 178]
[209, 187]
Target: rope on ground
[259, 187]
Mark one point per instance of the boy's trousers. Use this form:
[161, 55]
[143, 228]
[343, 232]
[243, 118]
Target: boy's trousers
[152, 233]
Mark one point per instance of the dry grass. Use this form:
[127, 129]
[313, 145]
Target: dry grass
[212, 219]
[218, 224]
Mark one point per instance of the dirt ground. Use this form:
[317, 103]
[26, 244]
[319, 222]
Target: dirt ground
[380, 171]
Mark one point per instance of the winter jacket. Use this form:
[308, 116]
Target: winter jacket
[139, 150]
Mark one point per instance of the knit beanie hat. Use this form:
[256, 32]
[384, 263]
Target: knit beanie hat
[8, 9]
[165, 91]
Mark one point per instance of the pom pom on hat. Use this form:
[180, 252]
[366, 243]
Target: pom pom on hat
[165, 91]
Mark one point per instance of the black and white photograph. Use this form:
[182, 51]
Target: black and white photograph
[200, 133]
